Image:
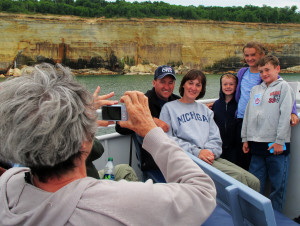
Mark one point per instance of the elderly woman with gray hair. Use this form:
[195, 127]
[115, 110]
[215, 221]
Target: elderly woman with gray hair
[47, 123]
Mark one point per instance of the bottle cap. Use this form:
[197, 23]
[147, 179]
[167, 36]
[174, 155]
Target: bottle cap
[110, 159]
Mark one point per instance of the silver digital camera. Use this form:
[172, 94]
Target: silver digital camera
[116, 112]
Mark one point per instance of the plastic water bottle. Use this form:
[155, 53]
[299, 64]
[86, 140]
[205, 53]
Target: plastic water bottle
[109, 170]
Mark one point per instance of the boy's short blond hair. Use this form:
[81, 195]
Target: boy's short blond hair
[268, 59]
[229, 75]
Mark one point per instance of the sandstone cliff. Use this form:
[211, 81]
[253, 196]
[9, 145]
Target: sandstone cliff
[195, 44]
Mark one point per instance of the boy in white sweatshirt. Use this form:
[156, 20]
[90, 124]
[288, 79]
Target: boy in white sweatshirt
[266, 130]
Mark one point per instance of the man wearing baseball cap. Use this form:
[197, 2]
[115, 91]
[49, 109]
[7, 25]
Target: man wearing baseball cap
[161, 93]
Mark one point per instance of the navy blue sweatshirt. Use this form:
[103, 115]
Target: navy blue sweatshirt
[224, 116]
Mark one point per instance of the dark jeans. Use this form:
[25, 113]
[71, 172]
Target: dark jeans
[276, 168]
[146, 159]
[242, 159]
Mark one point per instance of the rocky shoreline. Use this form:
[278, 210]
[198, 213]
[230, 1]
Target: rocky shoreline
[295, 69]
[134, 70]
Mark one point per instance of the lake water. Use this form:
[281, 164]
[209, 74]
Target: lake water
[121, 83]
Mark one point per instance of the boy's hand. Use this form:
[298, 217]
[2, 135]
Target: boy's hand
[278, 148]
[294, 119]
[246, 148]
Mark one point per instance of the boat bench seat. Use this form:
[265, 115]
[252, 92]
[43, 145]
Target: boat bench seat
[221, 217]
[155, 175]
[237, 204]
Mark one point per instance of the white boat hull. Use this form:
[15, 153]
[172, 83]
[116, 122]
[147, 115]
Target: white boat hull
[118, 147]
[292, 204]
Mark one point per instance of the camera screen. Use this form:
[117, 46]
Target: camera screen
[111, 113]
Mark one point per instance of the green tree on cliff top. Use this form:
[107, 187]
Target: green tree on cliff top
[147, 9]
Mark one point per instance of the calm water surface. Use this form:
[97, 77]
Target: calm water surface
[121, 83]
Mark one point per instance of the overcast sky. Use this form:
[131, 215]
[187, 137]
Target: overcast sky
[272, 3]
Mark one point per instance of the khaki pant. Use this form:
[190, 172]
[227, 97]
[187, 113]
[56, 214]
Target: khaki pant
[122, 171]
[237, 173]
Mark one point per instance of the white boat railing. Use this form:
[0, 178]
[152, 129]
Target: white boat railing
[202, 101]
[121, 149]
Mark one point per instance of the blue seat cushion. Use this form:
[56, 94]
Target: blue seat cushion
[220, 217]
[155, 175]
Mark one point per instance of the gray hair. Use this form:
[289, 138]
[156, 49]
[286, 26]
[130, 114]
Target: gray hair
[45, 115]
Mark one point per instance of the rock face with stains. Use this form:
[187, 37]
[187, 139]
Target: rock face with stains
[195, 44]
